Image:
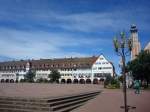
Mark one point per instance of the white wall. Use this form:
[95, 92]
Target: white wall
[12, 75]
[42, 74]
[102, 66]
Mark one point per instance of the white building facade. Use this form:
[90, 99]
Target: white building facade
[72, 70]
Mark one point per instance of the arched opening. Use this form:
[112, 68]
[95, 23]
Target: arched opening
[12, 81]
[2, 80]
[63, 81]
[82, 81]
[7, 81]
[95, 81]
[75, 81]
[57, 81]
[88, 81]
[69, 81]
[101, 81]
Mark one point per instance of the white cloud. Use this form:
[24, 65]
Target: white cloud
[105, 21]
[85, 22]
[39, 44]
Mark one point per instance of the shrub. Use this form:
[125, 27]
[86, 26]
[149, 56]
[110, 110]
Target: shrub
[22, 80]
[42, 80]
[107, 81]
[111, 83]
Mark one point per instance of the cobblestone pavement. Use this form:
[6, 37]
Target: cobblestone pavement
[107, 101]
[39, 90]
[111, 100]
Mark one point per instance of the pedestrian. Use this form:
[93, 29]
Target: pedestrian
[137, 86]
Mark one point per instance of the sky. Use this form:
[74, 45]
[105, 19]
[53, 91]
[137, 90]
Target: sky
[34, 29]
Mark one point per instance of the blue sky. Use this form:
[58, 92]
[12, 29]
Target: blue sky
[68, 28]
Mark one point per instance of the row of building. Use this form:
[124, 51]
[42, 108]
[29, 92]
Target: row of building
[84, 69]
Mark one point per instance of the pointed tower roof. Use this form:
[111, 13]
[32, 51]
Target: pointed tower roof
[133, 28]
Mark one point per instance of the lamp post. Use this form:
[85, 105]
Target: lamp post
[123, 47]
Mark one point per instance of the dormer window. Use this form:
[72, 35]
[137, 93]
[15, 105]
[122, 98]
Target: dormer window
[52, 65]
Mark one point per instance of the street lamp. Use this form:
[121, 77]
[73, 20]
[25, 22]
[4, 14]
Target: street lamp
[123, 47]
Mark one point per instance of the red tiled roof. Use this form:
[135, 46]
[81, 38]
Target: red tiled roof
[63, 63]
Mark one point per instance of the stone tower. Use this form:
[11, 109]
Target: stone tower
[147, 47]
[136, 44]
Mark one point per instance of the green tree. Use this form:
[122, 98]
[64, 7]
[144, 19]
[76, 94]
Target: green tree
[140, 67]
[108, 80]
[54, 76]
[120, 78]
[42, 80]
[17, 77]
[29, 77]
[111, 82]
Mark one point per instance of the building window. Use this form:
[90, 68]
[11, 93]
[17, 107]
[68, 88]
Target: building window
[101, 58]
[107, 67]
[99, 68]
[94, 68]
[74, 69]
[52, 65]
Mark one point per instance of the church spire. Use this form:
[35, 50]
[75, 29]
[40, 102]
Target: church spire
[133, 28]
[136, 44]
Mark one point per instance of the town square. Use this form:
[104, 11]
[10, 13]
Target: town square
[74, 56]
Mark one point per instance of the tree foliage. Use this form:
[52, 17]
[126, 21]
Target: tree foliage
[29, 77]
[42, 80]
[140, 67]
[111, 82]
[120, 78]
[108, 80]
[17, 77]
[54, 76]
